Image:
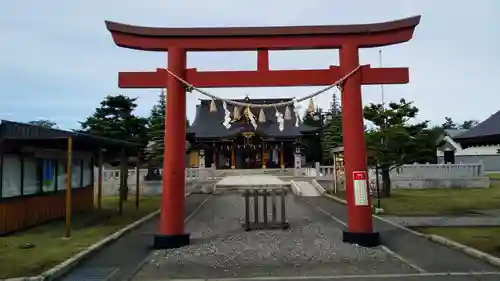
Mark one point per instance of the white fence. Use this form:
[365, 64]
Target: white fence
[415, 175]
[111, 180]
[437, 171]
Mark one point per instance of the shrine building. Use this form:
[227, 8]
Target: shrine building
[241, 137]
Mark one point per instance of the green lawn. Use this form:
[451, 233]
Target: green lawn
[49, 249]
[494, 176]
[486, 239]
[429, 202]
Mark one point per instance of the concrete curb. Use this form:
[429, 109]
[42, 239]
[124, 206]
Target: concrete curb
[436, 238]
[67, 265]
[295, 189]
[318, 187]
[335, 198]
[465, 249]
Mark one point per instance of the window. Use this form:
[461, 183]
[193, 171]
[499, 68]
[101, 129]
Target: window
[11, 176]
[61, 174]
[49, 176]
[76, 173]
[32, 180]
[87, 171]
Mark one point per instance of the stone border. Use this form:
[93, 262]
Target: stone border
[436, 238]
[67, 265]
[318, 187]
[295, 188]
[392, 276]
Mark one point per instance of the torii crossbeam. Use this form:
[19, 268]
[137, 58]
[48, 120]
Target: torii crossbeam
[347, 38]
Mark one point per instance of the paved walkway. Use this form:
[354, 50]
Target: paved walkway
[446, 221]
[119, 260]
[311, 247]
[425, 254]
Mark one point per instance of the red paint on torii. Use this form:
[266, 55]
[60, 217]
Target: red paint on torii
[263, 77]
[178, 41]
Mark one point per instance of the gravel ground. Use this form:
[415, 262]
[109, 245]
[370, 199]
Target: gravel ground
[311, 247]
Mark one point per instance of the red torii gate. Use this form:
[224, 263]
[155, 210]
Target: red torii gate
[347, 38]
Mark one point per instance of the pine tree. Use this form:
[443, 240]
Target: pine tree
[332, 132]
[312, 148]
[156, 134]
[157, 129]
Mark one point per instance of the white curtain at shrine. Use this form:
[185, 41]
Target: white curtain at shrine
[76, 173]
[87, 172]
[61, 174]
[11, 176]
[31, 177]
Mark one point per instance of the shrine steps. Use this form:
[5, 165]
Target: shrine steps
[244, 172]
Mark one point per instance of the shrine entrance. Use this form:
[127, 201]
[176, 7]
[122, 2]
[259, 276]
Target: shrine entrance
[248, 151]
[348, 76]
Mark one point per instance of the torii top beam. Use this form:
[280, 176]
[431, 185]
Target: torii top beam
[271, 38]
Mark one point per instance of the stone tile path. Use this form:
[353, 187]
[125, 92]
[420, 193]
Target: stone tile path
[311, 247]
[251, 181]
[446, 221]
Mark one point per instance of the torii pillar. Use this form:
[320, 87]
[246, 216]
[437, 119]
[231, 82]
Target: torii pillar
[348, 38]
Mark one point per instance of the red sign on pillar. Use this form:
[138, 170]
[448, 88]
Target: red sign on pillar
[360, 188]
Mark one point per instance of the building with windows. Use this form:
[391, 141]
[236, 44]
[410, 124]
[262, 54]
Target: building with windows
[234, 137]
[33, 172]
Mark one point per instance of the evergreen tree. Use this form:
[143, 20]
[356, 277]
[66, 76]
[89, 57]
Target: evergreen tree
[395, 141]
[312, 143]
[156, 132]
[44, 123]
[332, 131]
[115, 119]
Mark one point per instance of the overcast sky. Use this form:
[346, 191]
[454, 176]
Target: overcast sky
[58, 61]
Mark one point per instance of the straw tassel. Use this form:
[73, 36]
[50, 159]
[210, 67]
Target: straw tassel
[288, 113]
[262, 116]
[213, 107]
[236, 113]
[310, 108]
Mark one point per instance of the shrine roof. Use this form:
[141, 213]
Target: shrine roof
[486, 132]
[209, 124]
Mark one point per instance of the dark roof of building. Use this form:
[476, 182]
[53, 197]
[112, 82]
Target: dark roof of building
[489, 127]
[22, 131]
[210, 124]
[452, 133]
